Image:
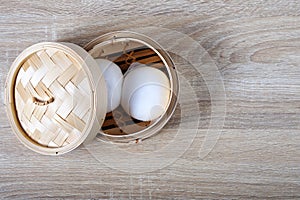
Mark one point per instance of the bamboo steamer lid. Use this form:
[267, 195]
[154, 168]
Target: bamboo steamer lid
[51, 97]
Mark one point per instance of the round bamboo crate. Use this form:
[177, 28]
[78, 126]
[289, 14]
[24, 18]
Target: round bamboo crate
[124, 48]
[51, 97]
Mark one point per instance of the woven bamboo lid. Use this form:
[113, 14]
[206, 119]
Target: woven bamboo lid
[51, 97]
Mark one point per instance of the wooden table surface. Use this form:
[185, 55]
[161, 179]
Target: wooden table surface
[256, 48]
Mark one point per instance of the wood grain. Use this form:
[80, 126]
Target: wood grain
[255, 44]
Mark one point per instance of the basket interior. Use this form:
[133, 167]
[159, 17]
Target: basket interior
[118, 122]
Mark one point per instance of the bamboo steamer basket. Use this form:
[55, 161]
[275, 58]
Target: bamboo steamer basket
[56, 95]
[51, 97]
[124, 48]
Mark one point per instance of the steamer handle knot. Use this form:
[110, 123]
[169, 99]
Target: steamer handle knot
[41, 102]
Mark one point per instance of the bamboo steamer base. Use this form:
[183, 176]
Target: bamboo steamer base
[125, 48]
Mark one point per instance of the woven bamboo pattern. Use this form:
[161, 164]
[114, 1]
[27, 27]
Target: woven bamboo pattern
[52, 98]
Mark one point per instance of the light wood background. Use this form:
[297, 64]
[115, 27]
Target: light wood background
[256, 46]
